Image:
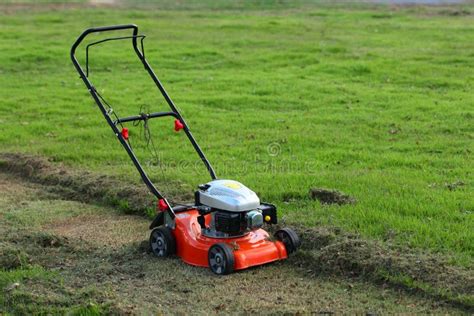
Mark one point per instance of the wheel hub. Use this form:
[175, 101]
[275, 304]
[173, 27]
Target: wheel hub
[159, 245]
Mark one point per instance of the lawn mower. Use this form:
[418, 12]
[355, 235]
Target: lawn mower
[222, 229]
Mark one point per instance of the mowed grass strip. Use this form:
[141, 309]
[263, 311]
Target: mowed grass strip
[373, 101]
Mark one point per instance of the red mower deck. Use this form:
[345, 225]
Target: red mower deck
[253, 249]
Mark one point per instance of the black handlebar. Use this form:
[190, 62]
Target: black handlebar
[113, 124]
[102, 29]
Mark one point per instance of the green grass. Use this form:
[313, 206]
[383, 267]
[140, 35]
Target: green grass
[372, 101]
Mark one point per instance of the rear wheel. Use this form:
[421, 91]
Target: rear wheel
[289, 238]
[162, 243]
[221, 259]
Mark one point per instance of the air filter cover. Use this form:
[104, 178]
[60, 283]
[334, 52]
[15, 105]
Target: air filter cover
[228, 195]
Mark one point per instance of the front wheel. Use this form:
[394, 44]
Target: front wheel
[162, 243]
[221, 259]
[289, 238]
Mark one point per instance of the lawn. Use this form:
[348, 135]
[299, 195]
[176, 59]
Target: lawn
[374, 101]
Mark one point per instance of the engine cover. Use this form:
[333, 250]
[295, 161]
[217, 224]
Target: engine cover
[227, 195]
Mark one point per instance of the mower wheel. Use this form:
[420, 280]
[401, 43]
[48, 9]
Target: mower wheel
[162, 242]
[221, 259]
[289, 238]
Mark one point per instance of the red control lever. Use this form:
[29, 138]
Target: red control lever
[124, 133]
[162, 205]
[178, 125]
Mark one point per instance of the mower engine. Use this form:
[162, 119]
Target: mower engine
[235, 209]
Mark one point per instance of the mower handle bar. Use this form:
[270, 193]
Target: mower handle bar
[113, 124]
[103, 29]
[144, 116]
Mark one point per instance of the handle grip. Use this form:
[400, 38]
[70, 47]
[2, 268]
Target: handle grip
[102, 29]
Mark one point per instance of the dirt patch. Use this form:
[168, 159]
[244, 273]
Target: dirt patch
[11, 257]
[80, 186]
[13, 191]
[105, 230]
[21, 248]
[45, 239]
[36, 239]
[327, 196]
[329, 251]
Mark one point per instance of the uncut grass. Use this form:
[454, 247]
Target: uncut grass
[380, 108]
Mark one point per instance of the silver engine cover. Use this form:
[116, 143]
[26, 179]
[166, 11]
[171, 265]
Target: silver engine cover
[228, 195]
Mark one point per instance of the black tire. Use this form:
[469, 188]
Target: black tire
[289, 238]
[162, 243]
[221, 259]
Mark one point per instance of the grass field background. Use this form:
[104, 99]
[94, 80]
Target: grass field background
[375, 101]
